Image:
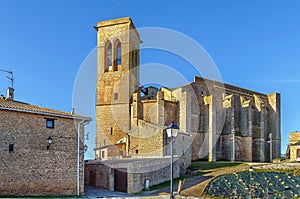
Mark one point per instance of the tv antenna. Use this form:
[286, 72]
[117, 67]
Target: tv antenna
[10, 76]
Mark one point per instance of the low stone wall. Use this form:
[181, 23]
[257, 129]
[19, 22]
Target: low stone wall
[156, 170]
[281, 166]
[98, 175]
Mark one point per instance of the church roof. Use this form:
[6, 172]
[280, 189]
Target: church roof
[12, 105]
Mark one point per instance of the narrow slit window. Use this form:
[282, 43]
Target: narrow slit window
[11, 148]
[116, 96]
[135, 58]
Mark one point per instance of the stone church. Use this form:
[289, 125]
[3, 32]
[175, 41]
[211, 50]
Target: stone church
[217, 121]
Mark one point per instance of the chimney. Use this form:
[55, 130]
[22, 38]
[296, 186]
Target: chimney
[10, 93]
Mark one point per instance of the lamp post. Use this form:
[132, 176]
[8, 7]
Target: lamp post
[270, 141]
[172, 132]
[267, 190]
[233, 144]
[250, 171]
[49, 142]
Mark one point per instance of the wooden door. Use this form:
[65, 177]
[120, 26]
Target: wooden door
[120, 180]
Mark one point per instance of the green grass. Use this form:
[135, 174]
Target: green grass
[200, 172]
[212, 197]
[164, 184]
[203, 165]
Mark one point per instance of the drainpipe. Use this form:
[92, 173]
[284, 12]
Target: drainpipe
[78, 154]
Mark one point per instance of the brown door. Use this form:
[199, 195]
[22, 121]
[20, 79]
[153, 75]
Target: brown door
[120, 179]
[92, 182]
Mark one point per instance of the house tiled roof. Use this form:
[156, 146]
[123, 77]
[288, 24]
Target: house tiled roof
[296, 143]
[11, 105]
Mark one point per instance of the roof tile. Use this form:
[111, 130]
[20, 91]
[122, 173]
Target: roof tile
[12, 105]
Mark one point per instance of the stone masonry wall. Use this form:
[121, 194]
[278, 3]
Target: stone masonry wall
[294, 137]
[293, 152]
[150, 111]
[98, 175]
[156, 170]
[253, 116]
[109, 129]
[115, 87]
[170, 112]
[30, 169]
[294, 146]
[147, 139]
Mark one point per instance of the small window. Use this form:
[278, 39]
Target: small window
[111, 130]
[102, 154]
[50, 123]
[116, 96]
[11, 148]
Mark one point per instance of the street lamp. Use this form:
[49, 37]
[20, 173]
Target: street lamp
[233, 144]
[250, 171]
[172, 132]
[49, 142]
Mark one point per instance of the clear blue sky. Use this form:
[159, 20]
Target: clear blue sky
[254, 43]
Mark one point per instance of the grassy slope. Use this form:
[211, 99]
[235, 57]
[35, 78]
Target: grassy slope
[202, 167]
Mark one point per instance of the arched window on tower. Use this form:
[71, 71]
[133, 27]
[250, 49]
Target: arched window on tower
[118, 53]
[108, 57]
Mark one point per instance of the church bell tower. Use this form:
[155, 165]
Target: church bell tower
[117, 79]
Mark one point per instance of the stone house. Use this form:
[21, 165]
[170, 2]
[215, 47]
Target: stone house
[293, 149]
[113, 150]
[217, 121]
[30, 164]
